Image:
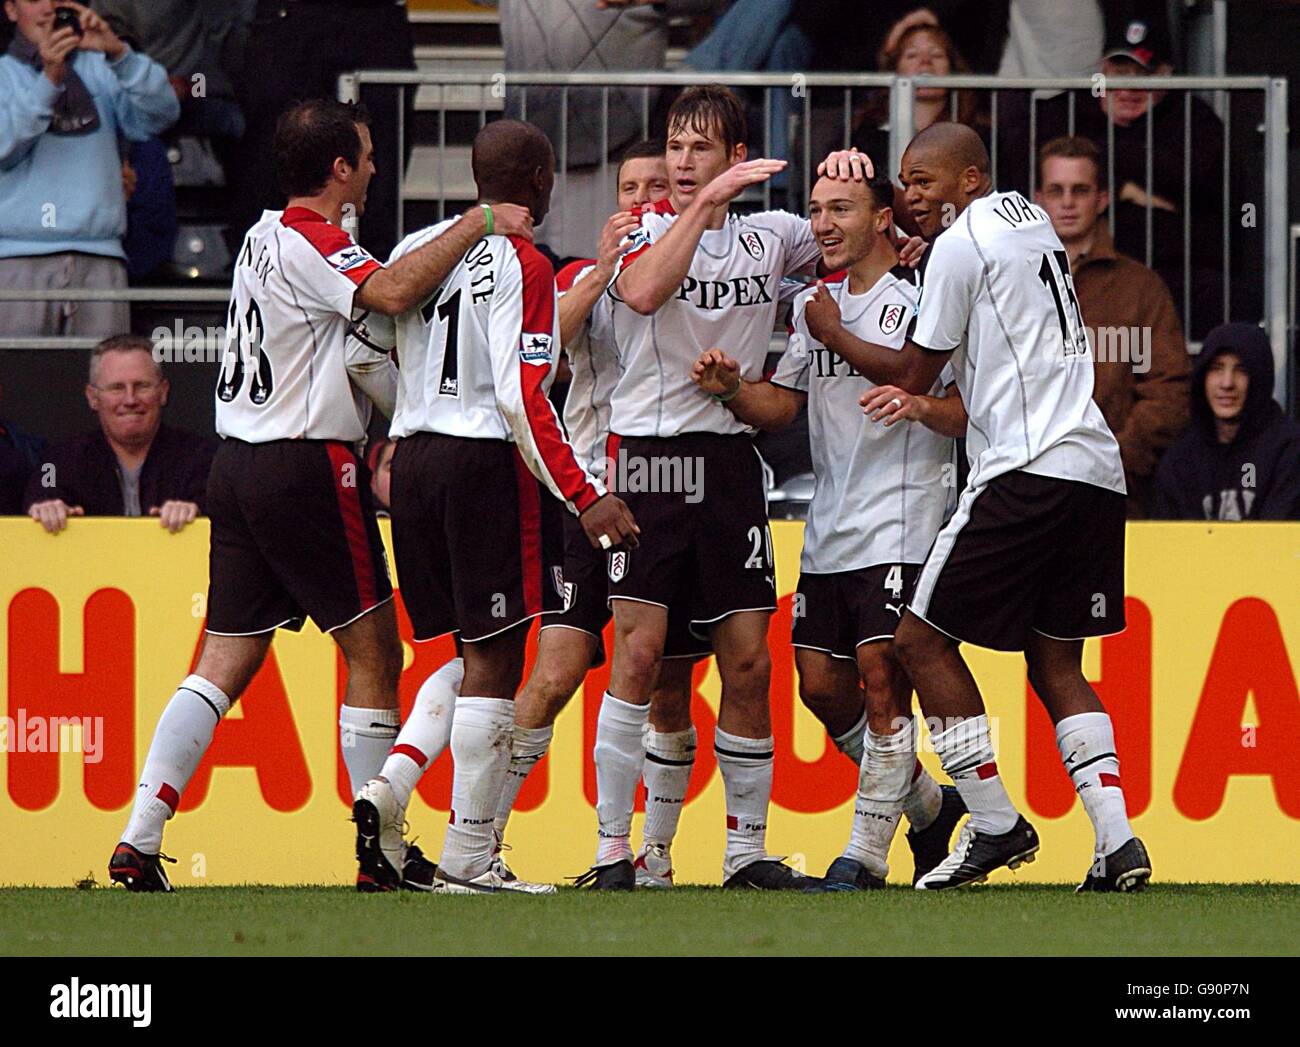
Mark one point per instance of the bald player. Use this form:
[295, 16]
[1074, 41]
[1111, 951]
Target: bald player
[877, 504]
[481, 469]
[1032, 559]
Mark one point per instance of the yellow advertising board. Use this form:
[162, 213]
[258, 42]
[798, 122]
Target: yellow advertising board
[102, 621]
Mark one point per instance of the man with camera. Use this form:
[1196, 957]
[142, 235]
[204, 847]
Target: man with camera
[69, 88]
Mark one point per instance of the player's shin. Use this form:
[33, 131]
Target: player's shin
[527, 747]
[851, 742]
[669, 756]
[883, 781]
[426, 733]
[966, 753]
[1087, 745]
[619, 758]
[480, 747]
[365, 738]
[746, 767]
[182, 736]
[923, 800]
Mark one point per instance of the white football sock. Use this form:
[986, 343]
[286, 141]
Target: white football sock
[966, 754]
[619, 757]
[746, 766]
[850, 743]
[182, 736]
[1087, 745]
[883, 781]
[669, 757]
[426, 733]
[527, 747]
[365, 736]
[480, 747]
[923, 800]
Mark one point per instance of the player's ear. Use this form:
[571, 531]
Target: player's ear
[884, 219]
[1103, 201]
[739, 153]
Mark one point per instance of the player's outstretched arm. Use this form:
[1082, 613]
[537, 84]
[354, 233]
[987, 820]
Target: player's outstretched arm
[400, 287]
[912, 368]
[945, 415]
[760, 404]
[648, 284]
[578, 301]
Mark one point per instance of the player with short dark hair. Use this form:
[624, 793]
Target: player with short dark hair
[695, 277]
[293, 532]
[877, 504]
[1032, 559]
[569, 641]
[480, 471]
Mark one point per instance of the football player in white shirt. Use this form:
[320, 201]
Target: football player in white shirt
[293, 531]
[1032, 559]
[878, 502]
[696, 277]
[569, 641]
[479, 476]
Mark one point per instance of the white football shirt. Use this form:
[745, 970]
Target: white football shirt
[880, 495]
[593, 359]
[997, 289]
[477, 359]
[728, 299]
[284, 370]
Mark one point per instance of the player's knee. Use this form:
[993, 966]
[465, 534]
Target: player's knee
[818, 699]
[751, 664]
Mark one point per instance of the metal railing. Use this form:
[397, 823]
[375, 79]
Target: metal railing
[472, 98]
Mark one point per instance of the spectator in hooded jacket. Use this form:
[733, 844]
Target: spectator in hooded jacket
[1240, 458]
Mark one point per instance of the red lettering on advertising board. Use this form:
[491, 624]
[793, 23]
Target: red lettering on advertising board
[40, 694]
[1249, 659]
[1124, 688]
[265, 738]
[800, 785]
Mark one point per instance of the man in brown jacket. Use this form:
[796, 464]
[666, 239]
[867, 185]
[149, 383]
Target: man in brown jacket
[1137, 342]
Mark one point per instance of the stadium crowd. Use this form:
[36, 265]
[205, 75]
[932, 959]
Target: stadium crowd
[94, 111]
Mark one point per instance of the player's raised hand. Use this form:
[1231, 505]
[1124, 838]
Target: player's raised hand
[716, 373]
[609, 524]
[822, 314]
[512, 220]
[735, 179]
[617, 228]
[890, 404]
[847, 165]
[175, 515]
[910, 250]
[53, 514]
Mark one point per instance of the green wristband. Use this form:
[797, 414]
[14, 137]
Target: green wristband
[487, 215]
[731, 395]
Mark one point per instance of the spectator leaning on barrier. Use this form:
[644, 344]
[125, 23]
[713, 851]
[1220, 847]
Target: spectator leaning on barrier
[19, 456]
[1240, 457]
[1140, 368]
[64, 101]
[132, 465]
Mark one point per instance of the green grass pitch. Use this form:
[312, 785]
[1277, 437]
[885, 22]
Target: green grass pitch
[1166, 920]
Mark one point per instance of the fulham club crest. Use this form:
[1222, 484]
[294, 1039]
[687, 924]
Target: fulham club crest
[752, 243]
[617, 565]
[891, 318]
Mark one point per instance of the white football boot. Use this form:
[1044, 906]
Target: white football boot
[654, 867]
[487, 883]
[381, 851]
